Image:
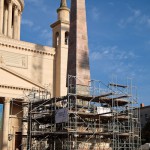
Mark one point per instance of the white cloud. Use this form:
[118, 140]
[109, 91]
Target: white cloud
[111, 3]
[31, 24]
[38, 3]
[148, 42]
[136, 12]
[114, 60]
[136, 18]
[95, 13]
[27, 22]
[43, 33]
[49, 42]
[37, 28]
[47, 35]
[112, 53]
[145, 20]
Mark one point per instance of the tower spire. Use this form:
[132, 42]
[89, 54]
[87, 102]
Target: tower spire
[63, 11]
[63, 3]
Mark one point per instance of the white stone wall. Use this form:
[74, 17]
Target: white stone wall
[23, 66]
[32, 61]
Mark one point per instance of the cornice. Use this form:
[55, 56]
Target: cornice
[26, 46]
[59, 22]
[19, 88]
[63, 8]
[19, 3]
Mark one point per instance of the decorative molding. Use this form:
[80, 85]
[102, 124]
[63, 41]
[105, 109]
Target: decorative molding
[15, 7]
[63, 8]
[26, 46]
[19, 4]
[22, 3]
[13, 59]
[19, 88]
[59, 22]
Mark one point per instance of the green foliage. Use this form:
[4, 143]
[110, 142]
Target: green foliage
[146, 133]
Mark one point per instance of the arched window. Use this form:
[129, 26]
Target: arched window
[57, 39]
[66, 37]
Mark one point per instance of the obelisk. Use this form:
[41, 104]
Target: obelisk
[78, 53]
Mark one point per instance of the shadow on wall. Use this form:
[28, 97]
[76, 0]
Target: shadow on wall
[84, 62]
[37, 64]
[16, 109]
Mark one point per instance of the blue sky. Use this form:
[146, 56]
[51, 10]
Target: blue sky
[119, 37]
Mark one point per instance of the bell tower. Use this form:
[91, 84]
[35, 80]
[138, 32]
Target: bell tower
[10, 18]
[60, 31]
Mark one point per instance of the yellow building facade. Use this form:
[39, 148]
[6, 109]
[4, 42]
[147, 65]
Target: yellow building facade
[27, 67]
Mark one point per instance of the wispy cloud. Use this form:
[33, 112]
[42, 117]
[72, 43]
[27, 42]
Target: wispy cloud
[148, 42]
[37, 28]
[114, 60]
[95, 14]
[47, 35]
[112, 53]
[27, 22]
[111, 3]
[38, 3]
[43, 33]
[136, 18]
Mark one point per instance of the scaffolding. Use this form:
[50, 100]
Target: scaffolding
[18, 115]
[93, 117]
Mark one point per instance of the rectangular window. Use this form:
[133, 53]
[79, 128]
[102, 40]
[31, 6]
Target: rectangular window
[146, 115]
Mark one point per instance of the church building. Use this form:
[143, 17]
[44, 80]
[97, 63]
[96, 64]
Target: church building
[27, 67]
[49, 100]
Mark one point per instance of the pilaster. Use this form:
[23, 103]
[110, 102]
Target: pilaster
[15, 23]
[10, 19]
[19, 24]
[5, 21]
[1, 15]
[6, 111]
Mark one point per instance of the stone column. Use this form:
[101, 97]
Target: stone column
[5, 21]
[24, 124]
[10, 19]
[19, 24]
[15, 23]
[1, 15]
[6, 111]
